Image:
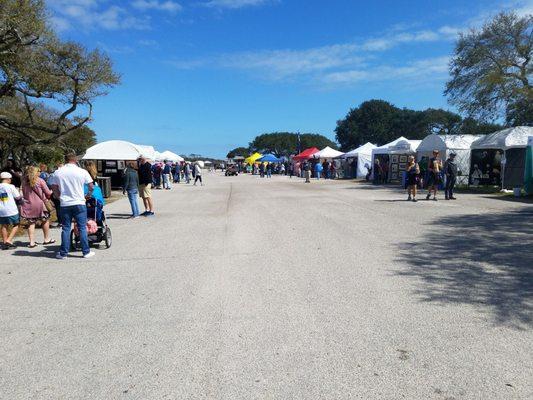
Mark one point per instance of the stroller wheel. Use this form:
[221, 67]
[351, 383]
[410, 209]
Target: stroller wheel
[108, 238]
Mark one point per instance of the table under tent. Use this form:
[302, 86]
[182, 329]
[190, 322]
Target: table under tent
[111, 158]
[447, 144]
[500, 157]
[394, 156]
[361, 156]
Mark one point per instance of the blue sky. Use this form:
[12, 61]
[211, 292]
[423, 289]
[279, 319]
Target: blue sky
[205, 76]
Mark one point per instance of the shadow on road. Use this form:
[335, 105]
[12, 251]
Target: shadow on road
[483, 260]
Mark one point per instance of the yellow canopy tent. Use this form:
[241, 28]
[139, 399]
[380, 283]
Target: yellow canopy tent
[253, 158]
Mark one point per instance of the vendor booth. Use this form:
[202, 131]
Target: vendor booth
[500, 158]
[253, 158]
[170, 156]
[148, 152]
[361, 156]
[447, 144]
[327, 153]
[111, 158]
[306, 154]
[393, 158]
[271, 158]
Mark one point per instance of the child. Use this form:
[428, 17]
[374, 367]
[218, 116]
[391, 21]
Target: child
[9, 213]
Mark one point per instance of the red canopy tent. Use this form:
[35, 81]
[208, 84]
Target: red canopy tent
[306, 154]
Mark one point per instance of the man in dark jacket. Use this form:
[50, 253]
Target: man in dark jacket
[131, 187]
[145, 186]
[450, 170]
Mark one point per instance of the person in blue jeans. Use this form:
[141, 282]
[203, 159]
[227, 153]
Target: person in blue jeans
[131, 187]
[318, 170]
[69, 182]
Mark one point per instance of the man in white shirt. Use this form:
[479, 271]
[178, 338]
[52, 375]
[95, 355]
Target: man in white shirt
[68, 185]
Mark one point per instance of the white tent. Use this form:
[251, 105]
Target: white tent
[364, 156]
[118, 150]
[327, 152]
[170, 156]
[398, 148]
[504, 150]
[446, 144]
[504, 139]
[148, 152]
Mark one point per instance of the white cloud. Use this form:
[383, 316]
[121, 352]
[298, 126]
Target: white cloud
[168, 6]
[93, 14]
[234, 4]
[418, 70]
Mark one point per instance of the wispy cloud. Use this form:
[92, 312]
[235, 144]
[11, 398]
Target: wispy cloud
[93, 14]
[146, 5]
[234, 4]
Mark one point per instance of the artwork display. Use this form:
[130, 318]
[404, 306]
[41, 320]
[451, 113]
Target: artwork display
[394, 176]
[394, 159]
[402, 166]
[403, 158]
[394, 168]
[99, 166]
[111, 164]
[121, 164]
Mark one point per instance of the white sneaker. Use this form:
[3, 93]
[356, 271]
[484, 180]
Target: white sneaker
[89, 255]
[60, 257]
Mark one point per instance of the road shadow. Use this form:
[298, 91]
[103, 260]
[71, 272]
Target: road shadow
[482, 260]
[511, 199]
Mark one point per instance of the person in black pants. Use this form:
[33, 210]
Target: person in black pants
[450, 170]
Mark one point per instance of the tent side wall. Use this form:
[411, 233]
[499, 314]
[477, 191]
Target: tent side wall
[362, 159]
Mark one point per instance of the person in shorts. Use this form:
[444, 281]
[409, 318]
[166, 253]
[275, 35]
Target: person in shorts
[145, 186]
[9, 213]
[434, 169]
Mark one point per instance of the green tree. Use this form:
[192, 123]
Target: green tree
[491, 70]
[239, 151]
[36, 66]
[286, 143]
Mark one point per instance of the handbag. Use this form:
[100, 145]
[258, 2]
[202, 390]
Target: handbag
[47, 203]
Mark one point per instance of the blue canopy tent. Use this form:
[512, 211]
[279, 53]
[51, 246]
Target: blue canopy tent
[270, 158]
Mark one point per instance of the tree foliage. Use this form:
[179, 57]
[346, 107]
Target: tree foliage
[239, 151]
[286, 143]
[491, 70]
[380, 122]
[37, 70]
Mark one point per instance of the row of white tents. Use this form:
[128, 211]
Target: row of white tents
[119, 150]
[510, 144]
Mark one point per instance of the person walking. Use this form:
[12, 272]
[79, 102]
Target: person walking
[318, 170]
[9, 213]
[15, 171]
[434, 169]
[177, 173]
[269, 170]
[54, 198]
[187, 173]
[413, 172]
[307, 171]
[167, 175]
[198, 174]
[69, 185]
[36, 196]
[450, 171]
[130, 187]
[145, 186]
[43, 173]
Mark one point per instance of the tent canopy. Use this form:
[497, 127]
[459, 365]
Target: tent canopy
[446, 142]
[253, 158]
[113, 150]
[306, 154]
[148, 152]
[269, 158]
[385, 148]
[505, 139]
[364, 149]
[170, 156]
[328, 152]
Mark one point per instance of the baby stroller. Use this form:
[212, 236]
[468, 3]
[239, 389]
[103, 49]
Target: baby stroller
[97, 229]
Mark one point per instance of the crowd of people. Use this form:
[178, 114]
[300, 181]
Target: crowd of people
[32, 196]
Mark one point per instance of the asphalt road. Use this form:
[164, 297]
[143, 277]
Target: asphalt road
[250, 288]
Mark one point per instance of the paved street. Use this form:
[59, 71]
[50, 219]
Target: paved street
[273, 289]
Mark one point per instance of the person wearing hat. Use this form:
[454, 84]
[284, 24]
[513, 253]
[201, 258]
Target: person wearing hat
[450, 171]
[9, 213]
